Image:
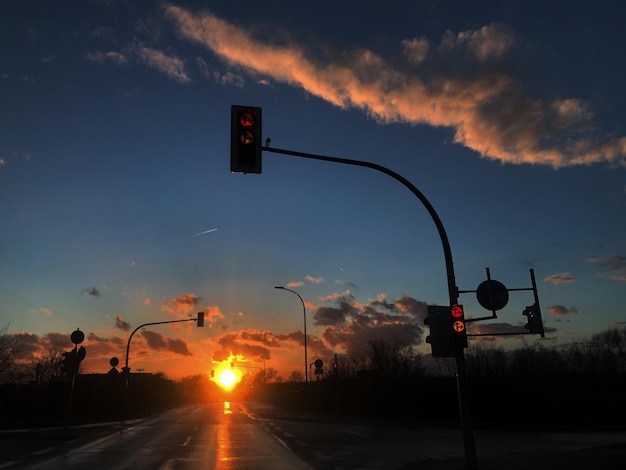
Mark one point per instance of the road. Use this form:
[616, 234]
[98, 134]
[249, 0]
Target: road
[214, 436]
[233, 436]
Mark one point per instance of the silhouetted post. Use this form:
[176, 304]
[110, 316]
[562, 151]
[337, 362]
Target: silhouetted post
[76, 337]
[306, 361]
[453, 292]
[126, 369]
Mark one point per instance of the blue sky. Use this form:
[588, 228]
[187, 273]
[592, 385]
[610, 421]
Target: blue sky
[114, 155]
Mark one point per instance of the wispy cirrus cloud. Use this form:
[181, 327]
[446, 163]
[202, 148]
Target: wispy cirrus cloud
[613, 266]
[479, 98]
[171, 65]
[114, 57]
[560, 278]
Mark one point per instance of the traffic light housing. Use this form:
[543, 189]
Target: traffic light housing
[447, 330]
[200, 319]
[68, 363]
[245, 139]
[440, 339]
[535, 323]
[335, 367]
[458, 326]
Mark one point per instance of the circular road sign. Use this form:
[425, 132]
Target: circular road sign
[114, 362]
[318, 363]
[77, 337]
[492, 295]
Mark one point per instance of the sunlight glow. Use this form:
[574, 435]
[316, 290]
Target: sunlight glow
[227, 379]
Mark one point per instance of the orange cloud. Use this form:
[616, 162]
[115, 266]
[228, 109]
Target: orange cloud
[485, 105]
[560, 278]
[314, 280]
[182, 305]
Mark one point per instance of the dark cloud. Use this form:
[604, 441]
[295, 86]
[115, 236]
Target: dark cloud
[32, 346]
[178, 346]
[91, 291]
[496, 328]
[105, 347]
[246, 343]
[159, 342]
[351, 326]
[121, 324]
[154, 340]
[255, 344]
[336, 315]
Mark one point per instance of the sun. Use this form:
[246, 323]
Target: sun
[227, 379]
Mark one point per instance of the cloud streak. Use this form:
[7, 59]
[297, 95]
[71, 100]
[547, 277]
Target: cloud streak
[463, 83]
[613, 267]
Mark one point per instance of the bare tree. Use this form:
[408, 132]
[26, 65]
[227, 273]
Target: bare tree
[394, 360]
[48, 369]
[271, 376]
[295, 376]
[611, 345]
[486, 360]
[10, 371]
[537, 360]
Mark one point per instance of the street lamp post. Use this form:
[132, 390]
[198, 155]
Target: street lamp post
[306, 361]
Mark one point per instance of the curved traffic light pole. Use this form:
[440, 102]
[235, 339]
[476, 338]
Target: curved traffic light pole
[453, 291]
[126, 370]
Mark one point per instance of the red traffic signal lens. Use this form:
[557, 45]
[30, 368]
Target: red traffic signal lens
[246, 119]
[456, 311]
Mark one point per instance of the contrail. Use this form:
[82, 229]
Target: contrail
[206, 231]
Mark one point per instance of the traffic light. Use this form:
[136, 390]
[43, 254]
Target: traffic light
[245, 139]
[535, 324]
[441, 339]
[458, 326]
[447, 330]
[68, 362]
[335, 367]
[200, 320]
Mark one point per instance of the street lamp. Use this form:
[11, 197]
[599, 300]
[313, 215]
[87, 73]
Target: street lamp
[306, 361]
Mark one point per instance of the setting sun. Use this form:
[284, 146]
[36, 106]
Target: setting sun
[227, 379]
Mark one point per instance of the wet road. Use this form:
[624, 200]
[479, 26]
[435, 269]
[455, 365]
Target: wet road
[214, 436]
[235, 436]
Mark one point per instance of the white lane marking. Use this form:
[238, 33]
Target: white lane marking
[45, 451]
[8, 464]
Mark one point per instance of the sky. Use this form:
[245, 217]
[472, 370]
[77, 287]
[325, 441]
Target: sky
[118, 207]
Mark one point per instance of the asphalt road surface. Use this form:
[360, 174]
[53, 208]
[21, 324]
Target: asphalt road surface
[215, 436]
[251, 436]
